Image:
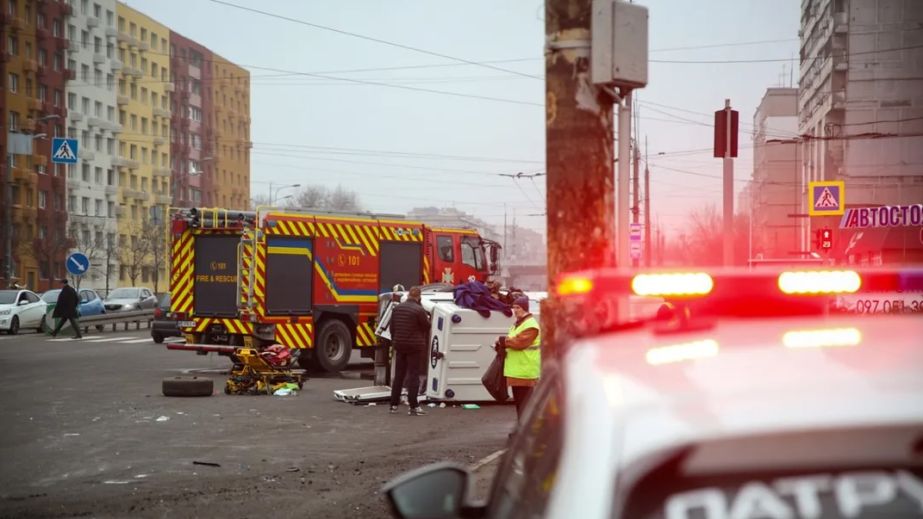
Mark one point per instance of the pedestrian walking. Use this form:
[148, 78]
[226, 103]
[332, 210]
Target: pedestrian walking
[409, 334]
[523, 363]
[66, 310]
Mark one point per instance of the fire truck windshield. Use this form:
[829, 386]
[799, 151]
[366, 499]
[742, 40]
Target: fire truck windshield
[473, 254]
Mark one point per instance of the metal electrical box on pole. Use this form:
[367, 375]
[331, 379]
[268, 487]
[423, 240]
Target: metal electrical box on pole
[619, 61]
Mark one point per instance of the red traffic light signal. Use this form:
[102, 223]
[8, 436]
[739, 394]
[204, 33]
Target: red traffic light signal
[825, 239]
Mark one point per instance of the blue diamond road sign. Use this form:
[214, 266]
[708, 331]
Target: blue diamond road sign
[64, 151]
[78, 263]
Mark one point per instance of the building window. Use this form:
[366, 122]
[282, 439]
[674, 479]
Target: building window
[85, 205]
[58, 98]
[56, 29]
[12, 47]
[14, 123]
[42, 199]
[71, 101]
[13, 82]
[58, 62]
[41, 92]
[98, 174]
[85, 105]
[85, 172]
[98, 45]
[97, 11]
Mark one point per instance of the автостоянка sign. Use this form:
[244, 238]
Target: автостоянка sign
[884, 216]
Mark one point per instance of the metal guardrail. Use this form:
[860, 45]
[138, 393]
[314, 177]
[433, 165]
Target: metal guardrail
[116, 318]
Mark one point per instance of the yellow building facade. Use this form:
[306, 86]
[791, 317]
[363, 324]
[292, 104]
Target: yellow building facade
[144, 89]
[231, 141]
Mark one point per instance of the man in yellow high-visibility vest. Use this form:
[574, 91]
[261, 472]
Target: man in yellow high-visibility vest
[523, 363]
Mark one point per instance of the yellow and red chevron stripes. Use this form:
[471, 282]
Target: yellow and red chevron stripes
[426, 276]
[181, 274]
[365, 335]
[246, 263]
[234, 326]
[293, 227]
[359, 237]
[259, 279]
[298, 335]
[401, 233]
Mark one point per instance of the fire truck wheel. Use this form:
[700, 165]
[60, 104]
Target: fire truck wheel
[195, 386]
[333, 347]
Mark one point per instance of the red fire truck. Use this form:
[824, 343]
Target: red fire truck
[308, 280]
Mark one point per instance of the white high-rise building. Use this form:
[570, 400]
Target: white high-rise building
[93, 119]
[860, 103]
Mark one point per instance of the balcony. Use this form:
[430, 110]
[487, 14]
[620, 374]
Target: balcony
[17, 23]
[74, 46]
[85, 154]
[36, 104]
[96, 122]
[840, 23]
[162, 172]
[92, 22]
[160, 112]
[70, 74]
[839, 100]
[121, 100]
[169, 87]
[111, 190]
[132, 71]
[143, 46]
[111, 32]
[122, 162]
[67, 9]
[113, 127]
[74, 183]
[29, 65]
[115, 65]
[98, 59]
[120, 210]
[163, 199]
[42, 33]
[159, 141]
[61, 43]
[123, 37]
[75, 116]
[22, 175]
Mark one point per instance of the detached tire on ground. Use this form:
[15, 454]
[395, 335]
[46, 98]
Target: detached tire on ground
[184, 386]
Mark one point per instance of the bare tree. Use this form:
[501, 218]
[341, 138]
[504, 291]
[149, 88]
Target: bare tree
[50, 247]
[92, 248]
[309, 197]
[155, 236]
[319, 197]
[258, 201]
[702, 241]
[134, 253]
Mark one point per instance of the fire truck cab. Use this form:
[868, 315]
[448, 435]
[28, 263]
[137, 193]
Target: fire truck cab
[307, 280]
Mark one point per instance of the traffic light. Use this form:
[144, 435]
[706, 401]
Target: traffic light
[825, 239]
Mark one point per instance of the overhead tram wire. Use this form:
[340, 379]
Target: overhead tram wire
[372, 39]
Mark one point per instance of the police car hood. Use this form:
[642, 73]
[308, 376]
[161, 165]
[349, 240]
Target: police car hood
[744, 377]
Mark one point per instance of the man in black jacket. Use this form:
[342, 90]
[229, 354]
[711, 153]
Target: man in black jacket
[409, 336]
[66, 310]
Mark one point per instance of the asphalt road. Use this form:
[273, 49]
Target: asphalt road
[87, 433]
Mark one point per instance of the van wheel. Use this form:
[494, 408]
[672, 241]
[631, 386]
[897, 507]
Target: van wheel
[333, 346]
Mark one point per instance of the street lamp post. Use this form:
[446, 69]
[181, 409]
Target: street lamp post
[273, 193]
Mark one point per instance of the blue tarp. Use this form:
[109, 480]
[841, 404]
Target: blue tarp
[476, 296]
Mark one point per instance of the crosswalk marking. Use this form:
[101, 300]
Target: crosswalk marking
[138, 341]
[111, 339]
[85, 337]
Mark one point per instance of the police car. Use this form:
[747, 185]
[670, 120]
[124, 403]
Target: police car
[752, 395]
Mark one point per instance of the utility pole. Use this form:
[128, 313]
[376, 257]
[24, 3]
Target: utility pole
[7, 221]
[647, 208]
[579, 137]
[726, 148]
[636, 194]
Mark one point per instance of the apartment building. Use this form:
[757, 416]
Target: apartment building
[100, 71]
[229, 183]
[144, 113]
[33, 107]
[775, 190]
[860, 106]
[93, 64]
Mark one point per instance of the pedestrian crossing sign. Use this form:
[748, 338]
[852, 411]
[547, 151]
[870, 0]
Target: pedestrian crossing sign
[826, 198]
[64, 151]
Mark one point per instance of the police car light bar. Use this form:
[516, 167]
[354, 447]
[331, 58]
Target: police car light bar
[672, 284]
[738, 283]
[820, 282]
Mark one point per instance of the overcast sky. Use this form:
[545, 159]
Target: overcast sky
[401, 148]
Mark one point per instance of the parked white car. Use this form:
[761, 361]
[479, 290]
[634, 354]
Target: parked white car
[21, 309]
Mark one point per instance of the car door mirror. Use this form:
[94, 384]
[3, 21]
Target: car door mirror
[435, 491]
[24, 302]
